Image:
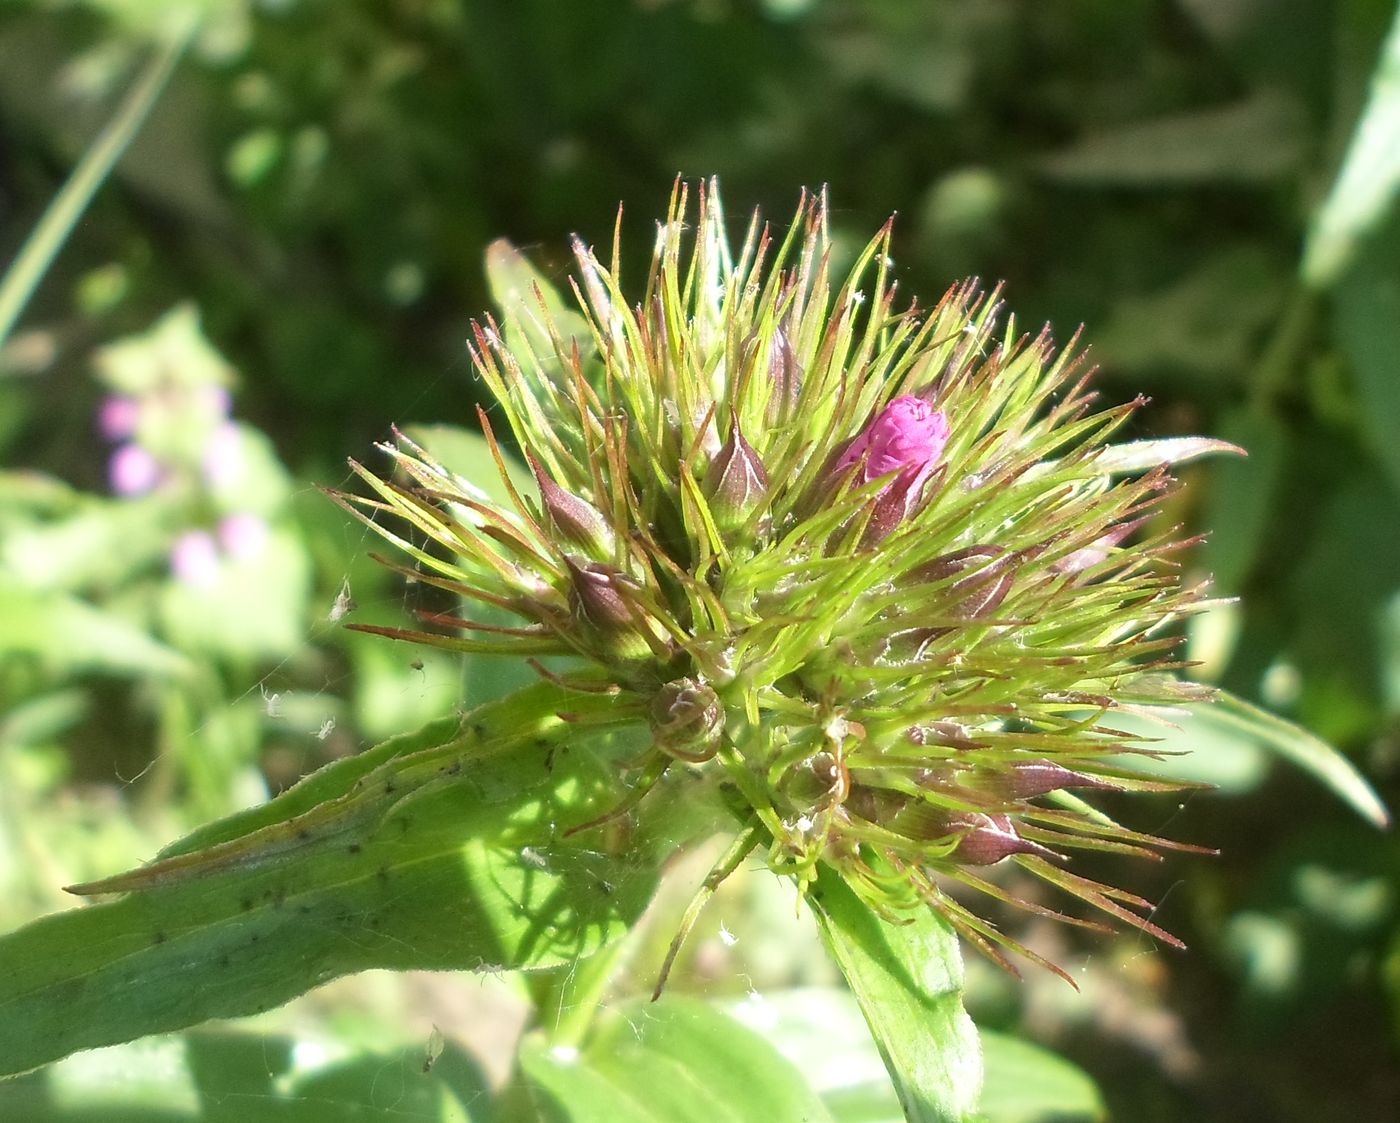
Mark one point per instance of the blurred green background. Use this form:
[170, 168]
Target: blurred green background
[285, 262]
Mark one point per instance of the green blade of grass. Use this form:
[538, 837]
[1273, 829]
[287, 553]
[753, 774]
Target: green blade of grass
[47, 238]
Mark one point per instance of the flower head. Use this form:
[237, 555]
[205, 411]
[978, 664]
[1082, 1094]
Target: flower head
[907, 437]
[877, 567]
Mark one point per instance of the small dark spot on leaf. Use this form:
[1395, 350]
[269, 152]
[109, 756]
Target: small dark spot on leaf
[158, 938]
[353, 848]
[246, 904]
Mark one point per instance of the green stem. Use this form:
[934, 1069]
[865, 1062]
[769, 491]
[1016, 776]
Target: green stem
[567, 1002]
[742, 846]
[1285, 349]
[52, 230]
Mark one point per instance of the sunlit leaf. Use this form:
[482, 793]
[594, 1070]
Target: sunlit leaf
[908, 981]
[676, 1061]
[1139, 456]
[1298, 746]
[1366, 303]
[407, 856]
[218, 1077]
[1028, 1084]
[1365, 187]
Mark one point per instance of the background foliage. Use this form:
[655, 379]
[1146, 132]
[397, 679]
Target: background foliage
[288, 255]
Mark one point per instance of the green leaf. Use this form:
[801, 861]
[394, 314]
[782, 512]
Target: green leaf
[1298, 746]
[820, 1029]
[408, 856]
[1241, 497]
[45, 241]
[1028, 1084]
[216, 1077]
[1197, 748]
[1257, 139]
[1366, 307]
[67, 636]
[678, 1060]
[519, 290]
[1365, 187]
[908, 981]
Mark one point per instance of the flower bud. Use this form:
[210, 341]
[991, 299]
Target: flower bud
[1039, 777]
[907, 438]
[737, 485]
[601, 600]
[989, 839]
[979, 577]
[785, 375]
[687, 720]
[577, 521]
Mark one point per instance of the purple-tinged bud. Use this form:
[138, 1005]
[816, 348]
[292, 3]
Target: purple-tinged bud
[1039, 777]
[1028, 779]
[988, 578]
[983, 838]
[599, 594]
[785, 376]
[737, 485]
[133, 471]
[907, 438]
[989, 839]
[577, 521]
[194, 559]
[1098, 550]
[687, 720]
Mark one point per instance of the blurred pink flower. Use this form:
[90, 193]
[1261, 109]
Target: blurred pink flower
[133, 471]
[223, 457]
[117, 418]
[194, 559]
[213, 401]
[243, 535]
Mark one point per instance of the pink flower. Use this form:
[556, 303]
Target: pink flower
[907, 437]
[242, 535]
[133, 471]
[194, 559]
[223, 457]
[117, 418]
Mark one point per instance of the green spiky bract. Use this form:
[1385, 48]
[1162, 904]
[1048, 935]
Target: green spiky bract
[900, 696]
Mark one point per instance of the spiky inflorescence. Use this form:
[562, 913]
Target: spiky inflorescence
[879, 566]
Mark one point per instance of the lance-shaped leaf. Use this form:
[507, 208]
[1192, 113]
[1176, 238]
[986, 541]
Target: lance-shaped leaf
[908, 981]
[436, 852]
